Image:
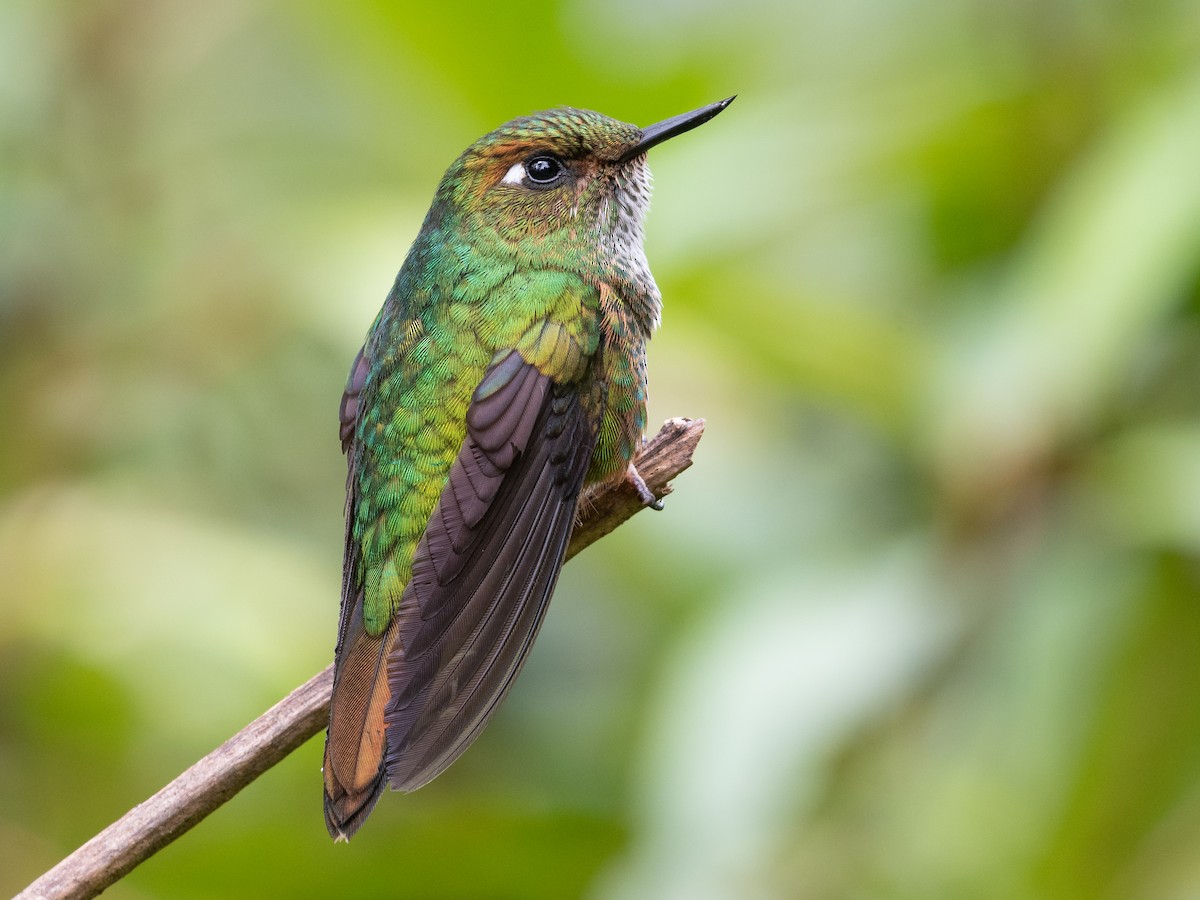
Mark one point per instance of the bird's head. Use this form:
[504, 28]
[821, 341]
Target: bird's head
[564, 182]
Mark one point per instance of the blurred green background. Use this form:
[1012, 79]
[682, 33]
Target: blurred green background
[923, 621]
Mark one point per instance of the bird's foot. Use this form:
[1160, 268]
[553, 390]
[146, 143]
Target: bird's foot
[644, 493]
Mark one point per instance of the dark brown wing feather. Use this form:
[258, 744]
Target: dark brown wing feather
[485, 567]
[348, 409]
[354, 745]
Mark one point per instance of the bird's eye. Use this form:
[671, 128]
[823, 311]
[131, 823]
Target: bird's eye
[543, 170]
[540, 171]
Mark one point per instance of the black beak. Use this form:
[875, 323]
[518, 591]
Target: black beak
[668, 128]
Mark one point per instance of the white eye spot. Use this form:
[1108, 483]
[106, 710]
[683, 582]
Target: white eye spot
[515, 175]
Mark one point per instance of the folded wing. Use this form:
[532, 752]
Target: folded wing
[485, 568]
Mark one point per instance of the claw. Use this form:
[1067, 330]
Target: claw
[644, 493]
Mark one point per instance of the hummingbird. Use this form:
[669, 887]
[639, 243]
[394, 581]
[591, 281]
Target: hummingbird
[505, 373]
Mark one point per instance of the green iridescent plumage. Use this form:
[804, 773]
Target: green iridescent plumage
[434, 356]
[505, 371]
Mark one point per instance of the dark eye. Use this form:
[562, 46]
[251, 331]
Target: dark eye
[543, 169]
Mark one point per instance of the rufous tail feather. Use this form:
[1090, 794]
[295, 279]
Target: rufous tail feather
[356, 746]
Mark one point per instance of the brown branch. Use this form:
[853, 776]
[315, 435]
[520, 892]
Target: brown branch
[151, 825]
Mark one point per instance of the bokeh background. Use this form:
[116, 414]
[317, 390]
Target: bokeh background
[923, 621]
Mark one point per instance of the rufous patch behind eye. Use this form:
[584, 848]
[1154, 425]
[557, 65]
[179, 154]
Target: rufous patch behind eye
[515, 175]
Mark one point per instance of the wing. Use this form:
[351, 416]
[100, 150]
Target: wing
[354, 744]
[485, 567]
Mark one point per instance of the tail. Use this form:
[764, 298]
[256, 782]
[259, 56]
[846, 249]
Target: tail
[355, 745]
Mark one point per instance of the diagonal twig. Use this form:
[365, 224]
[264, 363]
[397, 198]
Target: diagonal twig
[156, 822]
